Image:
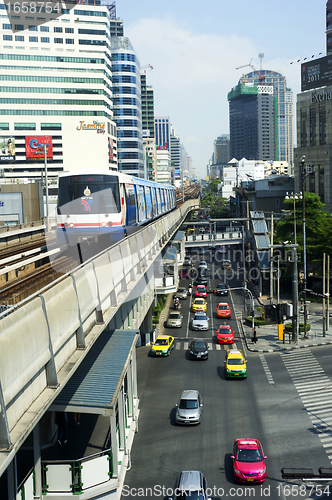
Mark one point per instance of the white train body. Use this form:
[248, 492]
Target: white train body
[98, 202]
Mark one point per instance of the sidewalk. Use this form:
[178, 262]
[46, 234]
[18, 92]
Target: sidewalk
[267, 335]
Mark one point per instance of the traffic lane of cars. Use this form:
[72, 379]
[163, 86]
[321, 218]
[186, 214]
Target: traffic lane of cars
[170, 448]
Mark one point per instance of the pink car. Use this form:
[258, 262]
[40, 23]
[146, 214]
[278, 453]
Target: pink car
[201, 291]
[248, 461]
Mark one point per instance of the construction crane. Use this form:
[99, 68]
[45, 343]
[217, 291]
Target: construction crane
[261, 78]
[146, 66]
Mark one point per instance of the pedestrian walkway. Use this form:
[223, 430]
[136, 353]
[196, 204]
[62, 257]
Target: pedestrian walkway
[267, 335]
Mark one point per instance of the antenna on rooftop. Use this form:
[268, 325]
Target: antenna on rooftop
[261, 55]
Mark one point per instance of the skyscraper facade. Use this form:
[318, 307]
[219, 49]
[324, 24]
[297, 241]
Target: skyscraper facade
[57, 90]
[283, 113]
[252, 122]
[329, 27]
[127, 106]
[162, 127]
[222, 150]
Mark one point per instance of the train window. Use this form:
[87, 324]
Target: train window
[148, 199]
[141, 203]
[131, 204]
[162, 196]
[88, 196]
[158, 200]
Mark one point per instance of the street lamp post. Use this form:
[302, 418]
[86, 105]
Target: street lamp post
[303, 176]
[252, 307]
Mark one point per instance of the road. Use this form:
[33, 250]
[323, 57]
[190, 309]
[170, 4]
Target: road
[268, 405]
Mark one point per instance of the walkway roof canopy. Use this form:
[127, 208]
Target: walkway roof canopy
[95, 385]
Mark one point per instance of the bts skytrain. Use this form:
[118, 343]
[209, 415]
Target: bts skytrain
[98, 202]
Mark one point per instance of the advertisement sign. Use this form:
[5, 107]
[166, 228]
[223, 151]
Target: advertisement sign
[177, 173]
[34, 147]
[110, 149]
[7, 149]
[317, 73]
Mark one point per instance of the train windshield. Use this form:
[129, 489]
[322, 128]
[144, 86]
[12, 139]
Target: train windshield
[89, 194]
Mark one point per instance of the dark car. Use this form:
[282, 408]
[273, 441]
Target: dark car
[198, 349]
[201, 280]
[184, 273]
[221, 289]
[188, 261]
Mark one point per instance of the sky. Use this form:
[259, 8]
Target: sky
[195, 47]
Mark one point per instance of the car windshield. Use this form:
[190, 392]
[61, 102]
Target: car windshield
[200, 344]
[161, 342]
[201, 288]
[247, 455]
[188, 404]
[182, 290]
[222, 307]
[200, 317]
[174, 316]
[200, 302]
[225, 330]
[236, 361]
[193, 495]
[221, 286]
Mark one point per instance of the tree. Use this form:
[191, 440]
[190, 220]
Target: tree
[318, 226]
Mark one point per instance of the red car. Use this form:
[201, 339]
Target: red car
[184, 273]
[201, 291]
[248, 461]
[225, 335]
[223, 310]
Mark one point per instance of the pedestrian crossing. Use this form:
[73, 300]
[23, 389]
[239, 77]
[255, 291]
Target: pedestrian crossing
[184, 345]
[315, 391]
[266, 369]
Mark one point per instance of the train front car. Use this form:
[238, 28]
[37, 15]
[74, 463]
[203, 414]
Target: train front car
[90, 205]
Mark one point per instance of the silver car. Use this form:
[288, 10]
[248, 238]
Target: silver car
[189, 409]
[191, 484]
[182, 293]
[174, 320]
[200, 322]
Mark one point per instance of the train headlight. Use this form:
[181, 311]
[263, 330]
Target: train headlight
[71, 224]
[103, 224]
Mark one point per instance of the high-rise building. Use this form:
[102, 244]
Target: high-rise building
[283, 112]
[222, 150]
[57, 90]
[252, 122]
[175, 156]
[162, 127]
[147, 100]
[329, 27]
[127, 106]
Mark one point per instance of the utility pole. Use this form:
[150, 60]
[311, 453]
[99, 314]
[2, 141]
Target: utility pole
[324, 318]
[271, 262]
[304, 246]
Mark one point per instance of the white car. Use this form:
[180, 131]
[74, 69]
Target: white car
[202, 264]
[200, 322]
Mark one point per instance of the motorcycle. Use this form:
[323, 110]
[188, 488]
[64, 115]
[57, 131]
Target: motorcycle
[176, 303]
[190, 290]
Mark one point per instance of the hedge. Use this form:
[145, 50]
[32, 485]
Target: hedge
[289, 327]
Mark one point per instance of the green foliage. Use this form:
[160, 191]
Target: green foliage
[219, 207]
[318, 228]
[289, 327]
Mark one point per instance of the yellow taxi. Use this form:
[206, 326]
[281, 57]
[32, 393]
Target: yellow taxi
[235, 364]
[199, 305]
[162, 346]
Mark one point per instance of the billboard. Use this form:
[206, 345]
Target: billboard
[7, 149]
[317, 73]
[177, 173]
[34, 147]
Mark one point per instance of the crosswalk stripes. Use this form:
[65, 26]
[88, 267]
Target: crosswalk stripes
[184, 345]
[266, 369]
[315, 391]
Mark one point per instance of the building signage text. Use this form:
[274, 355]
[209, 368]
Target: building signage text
[95, 125]
[326, 95]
